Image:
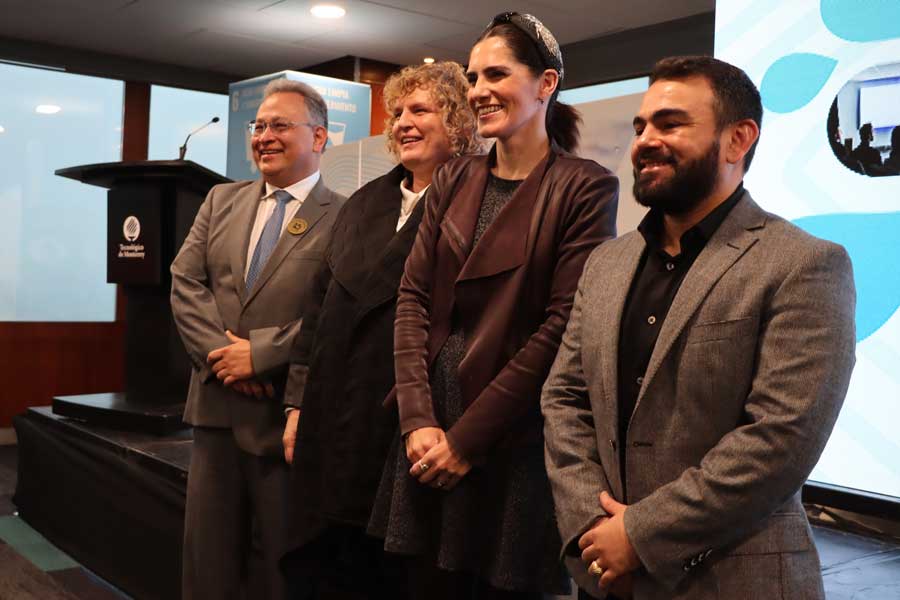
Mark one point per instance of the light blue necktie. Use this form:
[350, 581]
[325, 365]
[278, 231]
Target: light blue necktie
[268, 239]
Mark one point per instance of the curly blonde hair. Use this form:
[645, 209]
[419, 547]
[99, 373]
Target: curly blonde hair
[447, 84]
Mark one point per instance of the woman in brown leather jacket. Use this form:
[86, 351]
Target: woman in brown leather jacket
[482, 306]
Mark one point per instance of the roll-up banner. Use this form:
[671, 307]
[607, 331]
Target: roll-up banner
[349, 111]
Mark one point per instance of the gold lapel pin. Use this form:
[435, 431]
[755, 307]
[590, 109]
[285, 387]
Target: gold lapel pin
[297, 226]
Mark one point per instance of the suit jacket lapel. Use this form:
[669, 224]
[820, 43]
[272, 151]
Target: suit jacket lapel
[734, 237]
[623, 268]
[313, 208]
[363, 234]
[458, 224]
[243, 215]
[384, 277]
[503, 246]
[381, 212]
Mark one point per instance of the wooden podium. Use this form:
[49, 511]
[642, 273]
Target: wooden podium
[151, 207]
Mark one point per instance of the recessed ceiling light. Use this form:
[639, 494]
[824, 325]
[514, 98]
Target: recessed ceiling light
[47, 109]
[428, 60]
[327, 11]
[2, 129]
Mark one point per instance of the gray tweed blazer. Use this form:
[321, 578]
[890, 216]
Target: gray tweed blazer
[741, 393]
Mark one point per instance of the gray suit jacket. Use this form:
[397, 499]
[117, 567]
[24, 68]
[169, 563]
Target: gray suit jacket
[208, 297]
[741, 393]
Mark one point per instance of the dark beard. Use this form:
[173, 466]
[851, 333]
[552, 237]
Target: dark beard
[692, 183]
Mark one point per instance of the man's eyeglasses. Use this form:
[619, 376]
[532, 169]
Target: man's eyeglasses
[257, 128]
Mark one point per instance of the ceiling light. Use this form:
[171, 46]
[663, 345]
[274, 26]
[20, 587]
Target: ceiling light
[2, 129]
[428, 60]
[47, 109]
[327, 11]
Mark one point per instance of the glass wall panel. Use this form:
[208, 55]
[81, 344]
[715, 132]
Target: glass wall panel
[602, 91]
[53, 230]
[174, 113]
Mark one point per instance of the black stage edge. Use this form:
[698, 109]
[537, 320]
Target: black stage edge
[116, 411]
[858, 501]
[112, 500]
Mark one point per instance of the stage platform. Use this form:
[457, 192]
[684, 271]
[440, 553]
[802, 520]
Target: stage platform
[113, 500]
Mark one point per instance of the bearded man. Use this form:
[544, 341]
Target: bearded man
[702, 370]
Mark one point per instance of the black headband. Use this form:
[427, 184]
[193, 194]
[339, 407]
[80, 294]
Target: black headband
[544, 41]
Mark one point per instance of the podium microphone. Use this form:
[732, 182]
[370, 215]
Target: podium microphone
[183, 149]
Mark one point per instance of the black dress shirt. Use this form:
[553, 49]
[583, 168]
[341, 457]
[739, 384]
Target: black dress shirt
[653, 288]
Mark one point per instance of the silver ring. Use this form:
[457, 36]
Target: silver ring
[423, 467]
[595, 569]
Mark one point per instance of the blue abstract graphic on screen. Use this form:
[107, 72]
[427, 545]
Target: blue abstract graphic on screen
[820, 66]
[867, 21]
[794, 80]
[789, 84]
[870, 239]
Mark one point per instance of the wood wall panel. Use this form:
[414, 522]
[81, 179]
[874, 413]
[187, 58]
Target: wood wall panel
[362, 70]
[136, 121]
[379, 115]
[42, 360]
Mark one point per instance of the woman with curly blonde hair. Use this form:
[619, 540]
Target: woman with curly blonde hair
[440, 83]
[342, 362]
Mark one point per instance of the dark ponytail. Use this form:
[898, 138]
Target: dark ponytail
[562, 119]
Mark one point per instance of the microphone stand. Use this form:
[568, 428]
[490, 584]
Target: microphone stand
[182, 150]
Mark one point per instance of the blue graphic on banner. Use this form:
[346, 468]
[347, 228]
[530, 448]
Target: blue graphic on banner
[869, 239]
[349, 112]
[793, 80]
[814, 60]
[867, 21]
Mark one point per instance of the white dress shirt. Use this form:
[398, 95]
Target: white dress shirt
[267, 203]
[408, 202]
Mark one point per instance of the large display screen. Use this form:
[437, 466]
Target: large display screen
[829, 160]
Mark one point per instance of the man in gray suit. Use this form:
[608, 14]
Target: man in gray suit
[702, 370]
[238, 296]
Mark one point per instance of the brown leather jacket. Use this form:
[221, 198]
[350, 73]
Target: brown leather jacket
[513, 292]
